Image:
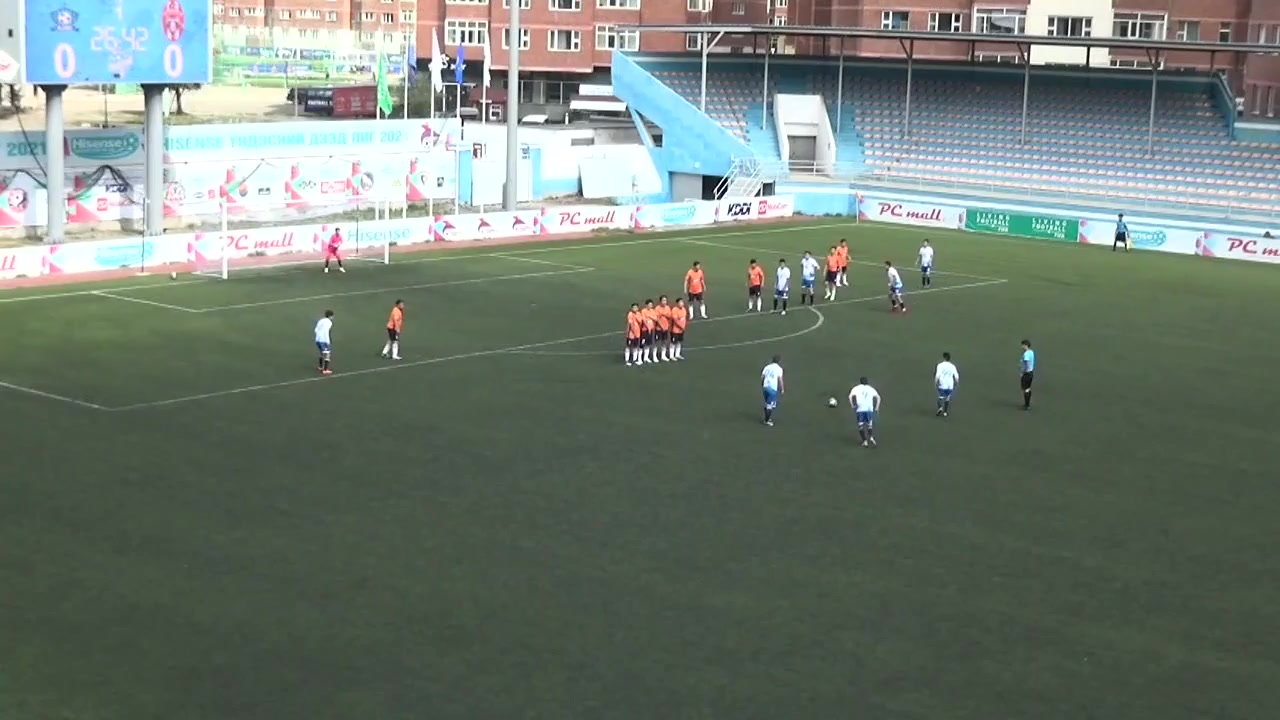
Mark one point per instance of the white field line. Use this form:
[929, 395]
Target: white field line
[775, 251]
[514, 349]
[514, 251]
[140, 301]
[536, 261]
[374, 291]
[51, 396]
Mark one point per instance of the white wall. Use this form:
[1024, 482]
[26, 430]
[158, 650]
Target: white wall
[1038, 14]
[806, 116]
[563, 150]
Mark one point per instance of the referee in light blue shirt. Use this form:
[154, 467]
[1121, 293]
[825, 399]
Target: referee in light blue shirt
[1028, 368]
[1122, 234]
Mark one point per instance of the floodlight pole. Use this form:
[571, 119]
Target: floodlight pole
[1154, 59]
[510, 196]
[908, 47]
[706, 48]
[1025, 56]
[153, 160]
[764, 89]
[55, 163]
[840, 85]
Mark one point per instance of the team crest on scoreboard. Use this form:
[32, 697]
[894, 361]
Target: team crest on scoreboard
[174, 20]
[65, 19]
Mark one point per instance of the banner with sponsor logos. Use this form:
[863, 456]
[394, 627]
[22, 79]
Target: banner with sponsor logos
[210, 247]
[22, 262]
[882, 208]
[1144, 234]
[685, 214]
[1039, 227]
[1265, 248]
[302, 167]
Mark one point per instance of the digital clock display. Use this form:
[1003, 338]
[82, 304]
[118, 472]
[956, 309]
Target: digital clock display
[162, 42]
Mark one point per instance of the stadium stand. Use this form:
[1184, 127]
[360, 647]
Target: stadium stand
[1085, 134]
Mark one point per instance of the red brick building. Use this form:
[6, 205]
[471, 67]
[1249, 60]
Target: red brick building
[569, 41]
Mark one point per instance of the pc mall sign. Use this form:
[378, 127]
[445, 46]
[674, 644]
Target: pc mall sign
[875, 208]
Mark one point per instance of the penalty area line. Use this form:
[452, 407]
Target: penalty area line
[386, 290]
[51, 396]
[140, 301]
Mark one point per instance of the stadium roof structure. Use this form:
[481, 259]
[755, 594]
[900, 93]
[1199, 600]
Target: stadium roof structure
[1155, 49]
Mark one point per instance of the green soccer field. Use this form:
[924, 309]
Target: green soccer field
[510, 524]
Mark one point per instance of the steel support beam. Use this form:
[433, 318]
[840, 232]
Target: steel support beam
[706, 48]
[1154, 58]
[840, 87]
[1025, 56]
[908, 47]
[764, 89]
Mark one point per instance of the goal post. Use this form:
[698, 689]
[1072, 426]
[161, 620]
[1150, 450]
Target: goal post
[234, 251]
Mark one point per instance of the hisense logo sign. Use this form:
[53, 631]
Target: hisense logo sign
[106, 147]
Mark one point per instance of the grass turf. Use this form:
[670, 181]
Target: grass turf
[480, 533]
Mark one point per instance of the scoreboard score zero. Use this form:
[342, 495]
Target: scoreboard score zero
[151, 42]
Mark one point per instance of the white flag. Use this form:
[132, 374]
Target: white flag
[437, 62]
[488, 58]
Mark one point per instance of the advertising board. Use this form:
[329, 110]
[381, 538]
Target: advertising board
[1039, 227]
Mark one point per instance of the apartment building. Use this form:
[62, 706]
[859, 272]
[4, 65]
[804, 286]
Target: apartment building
[339, 25]
[564, 42]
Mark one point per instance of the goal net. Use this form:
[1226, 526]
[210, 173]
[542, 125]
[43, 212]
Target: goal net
[234, 251]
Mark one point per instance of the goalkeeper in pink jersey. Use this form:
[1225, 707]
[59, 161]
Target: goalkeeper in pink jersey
[332, 250]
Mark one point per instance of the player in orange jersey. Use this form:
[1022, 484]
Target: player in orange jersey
[632, 353]
[755, 283]
[833, 274]
[679, 321]
[695, 284]
[395, 324]
[843, 251]
[648, 329]
[662, 336]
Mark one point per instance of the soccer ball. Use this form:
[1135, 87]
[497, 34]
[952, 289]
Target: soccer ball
[173, 276]
[831, 402]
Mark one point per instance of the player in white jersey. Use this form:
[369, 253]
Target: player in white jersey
[324, 342]
[808, 277]
[896, 302]
[945, 377]
[925, 261]
[781, 285]
[865, 402]
[771, 379]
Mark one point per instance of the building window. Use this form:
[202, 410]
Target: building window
[569, 5]
[285, 14]
[1189, 30]
[524, 38]
[406, 16]
[1133, 64]
[998, 59]
[524, 4]
[465, 32]
[699, 6]
[780, 4]
[467, 2]
[618, 4]
[218, 9]
[234, 12]
[609, 37]
[564, 40]
[1224, 32]
[895, 20]
[778, 20]
[693, 41]
[1136, 25]
[1076, 27]
[739, 8]
[946, 22]
[1000, 21]
[368, 17]
[388, 18]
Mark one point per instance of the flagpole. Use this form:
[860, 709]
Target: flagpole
[407, 46]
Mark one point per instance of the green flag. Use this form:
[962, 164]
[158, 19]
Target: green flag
[384, 94]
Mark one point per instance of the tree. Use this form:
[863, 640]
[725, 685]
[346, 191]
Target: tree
[178, 91]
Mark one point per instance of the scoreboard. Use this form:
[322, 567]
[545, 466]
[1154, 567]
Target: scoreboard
[160, 42]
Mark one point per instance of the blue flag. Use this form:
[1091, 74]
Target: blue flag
[458, 65]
